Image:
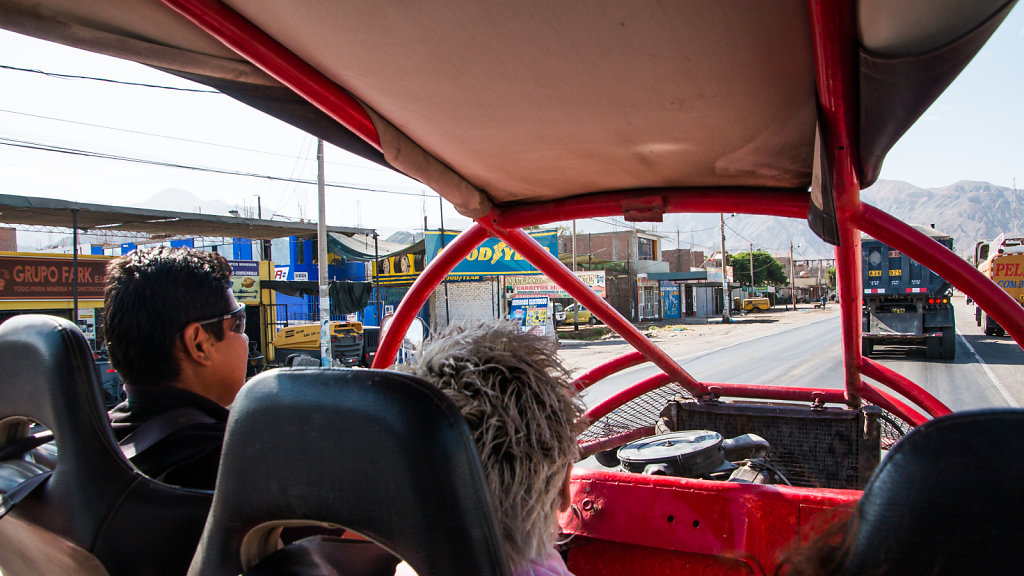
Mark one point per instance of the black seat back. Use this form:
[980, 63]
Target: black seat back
[381, 453]
[946, 500]
[95, 502]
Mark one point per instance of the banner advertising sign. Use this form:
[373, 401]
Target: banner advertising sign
[50, 278]
[715, 274]
[531, 314]
[245, 281]
[543, 286]
[492, 257]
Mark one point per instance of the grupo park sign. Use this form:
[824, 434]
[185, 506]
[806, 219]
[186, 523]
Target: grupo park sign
[50, 278]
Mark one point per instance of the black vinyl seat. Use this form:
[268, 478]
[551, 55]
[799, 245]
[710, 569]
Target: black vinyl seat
[947, 500]
[381, 453]
[96, 514]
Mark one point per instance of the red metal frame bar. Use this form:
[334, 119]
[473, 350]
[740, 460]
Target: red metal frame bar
[784, 202]
[833, 34]
[611, 403]
[421, 290]
[768, 392]
[944, 262]
[892, 404]
[904, 386]
[256, 46]
[606, 369]
[532, 251]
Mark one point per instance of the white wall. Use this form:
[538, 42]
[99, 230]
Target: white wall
[466, 301]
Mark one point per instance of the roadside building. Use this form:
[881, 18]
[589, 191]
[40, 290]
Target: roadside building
[478, 287]
[42, 282]
[811, 279]
[628, 257]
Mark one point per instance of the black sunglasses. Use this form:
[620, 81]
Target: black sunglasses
[237, 316]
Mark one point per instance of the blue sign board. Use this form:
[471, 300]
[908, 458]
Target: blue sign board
[670, 301]
[492, 257]
[531, 314]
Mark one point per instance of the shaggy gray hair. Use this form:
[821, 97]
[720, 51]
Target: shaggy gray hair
[524, 415]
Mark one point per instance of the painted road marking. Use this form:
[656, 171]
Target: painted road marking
[984, 366]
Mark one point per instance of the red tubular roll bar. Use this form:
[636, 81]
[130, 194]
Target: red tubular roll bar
[421, 289]
[602, 371]
[611, 403]
[253, 44]
[529, 249]
[782, 202]
[904, 386]
[941, 260]
[892, 404]
[834, 38]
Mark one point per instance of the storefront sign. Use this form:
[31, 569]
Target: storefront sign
[531, 314]
[493, 257]
[50, 278]
[544, 286]
[715, 274]
[245, 281]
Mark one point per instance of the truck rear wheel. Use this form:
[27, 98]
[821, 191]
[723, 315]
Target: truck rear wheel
[991, 327]
[977, 315]
[867, 347]
[948, 343]
[934, 346]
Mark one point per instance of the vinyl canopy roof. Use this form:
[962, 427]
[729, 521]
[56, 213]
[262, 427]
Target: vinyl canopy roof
[501, 103]
[156, 223]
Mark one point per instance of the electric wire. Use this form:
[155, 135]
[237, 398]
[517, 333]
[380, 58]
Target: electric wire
[107, 80]
[29, 145]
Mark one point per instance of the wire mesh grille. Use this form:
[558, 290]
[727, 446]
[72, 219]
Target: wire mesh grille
[638, 413]
[808, 453]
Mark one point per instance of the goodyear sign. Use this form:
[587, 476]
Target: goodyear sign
[492, 257]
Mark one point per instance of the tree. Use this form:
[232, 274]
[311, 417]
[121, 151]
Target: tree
[831, 275]
[767, 270]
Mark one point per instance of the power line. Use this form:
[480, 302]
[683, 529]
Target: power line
[751, 241]
[165, 137]
[107, 80]
[29, 145]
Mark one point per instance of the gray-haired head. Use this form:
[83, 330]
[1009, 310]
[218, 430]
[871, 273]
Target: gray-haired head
[524, 415]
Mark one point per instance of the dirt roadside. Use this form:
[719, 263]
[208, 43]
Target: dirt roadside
[677, 339]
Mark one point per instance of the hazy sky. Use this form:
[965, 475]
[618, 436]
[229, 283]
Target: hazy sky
[975, 131]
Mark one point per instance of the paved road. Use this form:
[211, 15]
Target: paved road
[804, 349]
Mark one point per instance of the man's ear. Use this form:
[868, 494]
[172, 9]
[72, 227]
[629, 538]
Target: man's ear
[196, 344]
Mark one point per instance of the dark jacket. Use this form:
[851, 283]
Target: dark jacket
[187, 457]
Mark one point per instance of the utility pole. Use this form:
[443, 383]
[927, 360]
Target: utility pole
[447, 308]
[574, 245]
[792, 283]
[751, 269]
[725, 280]
[679, 253]
[321, 238]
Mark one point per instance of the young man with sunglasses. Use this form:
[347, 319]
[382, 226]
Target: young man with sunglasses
[176, 335]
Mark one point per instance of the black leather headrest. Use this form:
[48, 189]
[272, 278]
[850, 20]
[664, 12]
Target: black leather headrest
[946, 500]
[378, 452]
[95, 499]
[49, 377]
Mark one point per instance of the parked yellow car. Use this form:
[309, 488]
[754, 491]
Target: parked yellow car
[585, 316]
[756, 305]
